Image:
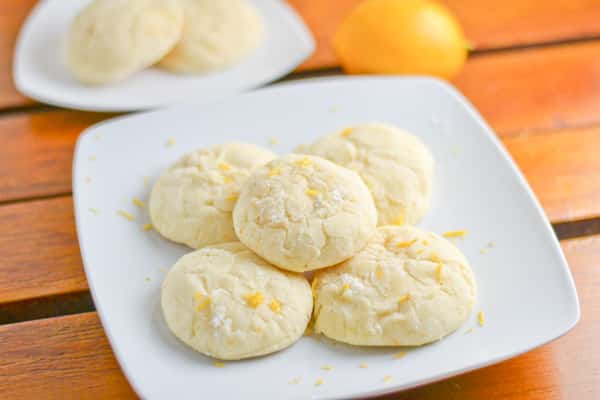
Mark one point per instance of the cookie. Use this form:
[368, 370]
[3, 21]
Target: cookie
[215, 35]
[112, 39]
[407, 287]
[191, 202]
[226, 302]
[303, 213]
[395, 165]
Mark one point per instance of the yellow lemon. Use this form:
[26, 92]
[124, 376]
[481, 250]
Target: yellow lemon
[401, 37]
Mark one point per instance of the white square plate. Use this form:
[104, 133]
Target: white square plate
[40, 71]
[525, 287]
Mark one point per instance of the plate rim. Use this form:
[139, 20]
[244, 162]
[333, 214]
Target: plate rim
[570, 323]
[303, 38]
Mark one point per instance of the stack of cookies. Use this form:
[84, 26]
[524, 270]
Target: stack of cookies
[341, 210]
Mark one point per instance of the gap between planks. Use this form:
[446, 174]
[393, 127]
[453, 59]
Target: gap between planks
[81, 302]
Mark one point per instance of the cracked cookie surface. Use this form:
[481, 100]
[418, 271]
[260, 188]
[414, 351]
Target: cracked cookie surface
[304, 212]
[406, 287]
[191, 202]
[395, 165]
[226, 302]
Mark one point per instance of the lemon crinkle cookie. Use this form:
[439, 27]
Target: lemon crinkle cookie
[226, 302]
[111, 39]
[395, 165]
[406, 287]
[215, 35]
[191, 202]
[303, 213]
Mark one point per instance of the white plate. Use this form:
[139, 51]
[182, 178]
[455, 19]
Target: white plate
[525, 287]
[40, 71]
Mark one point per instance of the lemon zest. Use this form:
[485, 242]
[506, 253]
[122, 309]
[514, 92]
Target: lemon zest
[275, 306]
[126, 215]
[461, 233]
[255, 299]
[403, 245]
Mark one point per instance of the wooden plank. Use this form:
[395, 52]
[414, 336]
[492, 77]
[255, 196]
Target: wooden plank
[69, 357]
[487, 24]
[37, 151]
[59, 358]
[514, 91]
[541, 88]
[40, 254]
[563, 169]
[12, 15]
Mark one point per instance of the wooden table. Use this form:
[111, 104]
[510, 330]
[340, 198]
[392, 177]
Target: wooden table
[535, 76]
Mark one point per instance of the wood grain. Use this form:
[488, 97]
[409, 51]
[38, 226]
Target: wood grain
[12, 15]
[563, 169]
[40, 254]
[69, 356]
[515, 92]
[541, 88]
[487, 24]
[37, 151]
[59, 358]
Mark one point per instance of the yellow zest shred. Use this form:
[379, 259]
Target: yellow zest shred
[399, 355]
[480, 318]
[304, 162]
[425, 242]
[484, 251]
[326, 367]
[312, 192]
[228, 179]
[379, 273]
[400, 219]
[171, 142]
[203, 301]
[435, 258]
[92, 158]
[461, 233]
[363, 365]
[219, 364]
[420, 251]
[346, 132]
[255, 299]
[232, 197]
[126, 215]
[147, 227]
[491, 244]
[403, 245]
[387, 378]
[94, 211]
[275, 171]
[275, 306]
[273, 141]
[345, 287]
[404, 298]
[295, 381]
[319, 382]
[224, 166]
[438, 273]
[139, 203]
[468, 331]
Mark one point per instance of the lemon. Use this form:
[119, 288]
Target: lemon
[401, 37]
